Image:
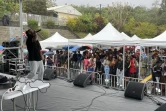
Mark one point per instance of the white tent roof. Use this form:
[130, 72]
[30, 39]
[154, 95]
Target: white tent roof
[135, 37]
[126, 36]
[53, 41]
[157, 41]
[161, 37]
[109, 33]
[88, 37]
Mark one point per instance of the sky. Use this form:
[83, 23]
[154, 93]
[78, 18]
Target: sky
[147, 3]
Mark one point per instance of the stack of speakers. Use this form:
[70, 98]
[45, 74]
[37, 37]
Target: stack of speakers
[11, 53]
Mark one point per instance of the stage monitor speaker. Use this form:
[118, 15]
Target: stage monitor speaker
[135, 90]
[161, 108]
[82, 80]
[49, 74]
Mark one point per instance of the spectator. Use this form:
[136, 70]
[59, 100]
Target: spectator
[106, 64]
[120, 70]
[158, 73]
[5, 20]
[50, 61]
[132, 66]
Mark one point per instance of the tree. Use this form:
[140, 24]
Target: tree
[35, 7]
[129, 27]
[99, 21]
[162, 13]
[71, 24]
[140, 13]
[145, 30]
[8, 8]
[118, 14]
[51, 3]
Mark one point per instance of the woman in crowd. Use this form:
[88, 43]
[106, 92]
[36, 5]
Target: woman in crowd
[132, 66]
[98, 63]
[120, 70]
[91, 64]
[85, 63]
[57, 59]
[127, 64]
[113, 68]
[50, 61]
[106, 64]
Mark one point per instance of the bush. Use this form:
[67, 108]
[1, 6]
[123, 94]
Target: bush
[33, 24]
[50, 24]
[44, 33]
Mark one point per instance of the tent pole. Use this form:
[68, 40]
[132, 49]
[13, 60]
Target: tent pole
[139, 75]
[21, 30]
[123, 66]
[68, 70]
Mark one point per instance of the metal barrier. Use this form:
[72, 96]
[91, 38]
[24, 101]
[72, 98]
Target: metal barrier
[99, 78]
[155, 88]
[60, 71]
[74, 73]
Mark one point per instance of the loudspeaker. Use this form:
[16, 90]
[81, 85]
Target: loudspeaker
[82, 80]
[49, 74]
[135, 90]
[161, 108]
[14, 43]
[5, 44]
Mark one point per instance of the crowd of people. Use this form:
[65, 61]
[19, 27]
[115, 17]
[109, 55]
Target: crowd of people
[109, 62]
[103, 61]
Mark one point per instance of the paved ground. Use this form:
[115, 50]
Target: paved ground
[64, 96]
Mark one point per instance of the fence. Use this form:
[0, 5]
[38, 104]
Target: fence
[153, 88]
[40, 18]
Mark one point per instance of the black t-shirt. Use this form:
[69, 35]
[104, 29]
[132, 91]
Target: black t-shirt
[158, 71]
[33, 50]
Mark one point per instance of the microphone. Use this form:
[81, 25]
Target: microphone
[38, 31]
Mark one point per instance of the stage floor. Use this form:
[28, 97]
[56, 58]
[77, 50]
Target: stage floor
[64, 96]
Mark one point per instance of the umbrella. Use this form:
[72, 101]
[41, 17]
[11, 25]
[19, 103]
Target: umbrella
[84, 48]
[75, 48]
[1, 47]
[49, 53]
[66, 47]
[49, 48]
[57, 49]
[43, 51]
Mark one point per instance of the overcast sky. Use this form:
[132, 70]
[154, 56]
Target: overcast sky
[147, 3]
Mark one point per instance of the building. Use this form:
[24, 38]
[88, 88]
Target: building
[64, 12]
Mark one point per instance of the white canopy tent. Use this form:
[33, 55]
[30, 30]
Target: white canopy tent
[160, 40]
[161, 37]
[126, 36]
[109, 33]
[105, 36]
[88, 37]
[135, 37]
[53, 41]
